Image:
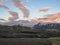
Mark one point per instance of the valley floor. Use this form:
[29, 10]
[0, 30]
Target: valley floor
[30, 41]
[55, 40]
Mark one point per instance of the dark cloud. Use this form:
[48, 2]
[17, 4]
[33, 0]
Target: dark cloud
[2, 19]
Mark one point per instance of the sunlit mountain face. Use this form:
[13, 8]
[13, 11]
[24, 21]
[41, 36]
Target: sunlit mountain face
[29, 12]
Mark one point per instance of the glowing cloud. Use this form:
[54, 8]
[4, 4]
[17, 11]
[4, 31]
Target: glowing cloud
[57, 20]
[4, 6]
[50, 18]
[14, 15]
[22, 7]
[44, 9]
[45, 20]
[54, 16]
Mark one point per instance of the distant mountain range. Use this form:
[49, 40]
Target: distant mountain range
[20, 22]
[43, 26]
[33, 24]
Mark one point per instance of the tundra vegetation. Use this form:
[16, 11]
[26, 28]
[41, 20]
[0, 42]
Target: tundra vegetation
[21, 35]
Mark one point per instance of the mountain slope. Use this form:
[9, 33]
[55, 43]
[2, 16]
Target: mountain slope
[47, 26]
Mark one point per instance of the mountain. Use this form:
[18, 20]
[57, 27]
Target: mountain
[33, 24]
[20, 22]
[43, 26]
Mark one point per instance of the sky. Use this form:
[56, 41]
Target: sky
[34, 9]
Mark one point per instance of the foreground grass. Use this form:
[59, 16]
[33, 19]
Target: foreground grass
[24, 41]
[30, 41]
[55, 40]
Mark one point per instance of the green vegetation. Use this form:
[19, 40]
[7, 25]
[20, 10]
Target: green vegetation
[55, 40]
[24, 41]
[30, 41]
[20, 35]
[18, 31]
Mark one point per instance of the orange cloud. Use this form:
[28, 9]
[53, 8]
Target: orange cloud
[3, 5]
[45, 20]
[57, 20]
[50, 18]
[14, 15]
[22, 7]
[54, 16]
[44, 9]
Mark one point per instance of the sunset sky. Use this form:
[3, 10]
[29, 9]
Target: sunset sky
[34, 9]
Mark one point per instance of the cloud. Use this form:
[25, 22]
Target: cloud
[57, 20]
[4, 6]
[32, 20]
[23, 8]
[45, 20]
[14, 15]
[11, 19]
[50, 18]
[44, 9]
[54, 16]
[27, 1]
[3, 19]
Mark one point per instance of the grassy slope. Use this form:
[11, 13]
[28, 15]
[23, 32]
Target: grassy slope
[28, 41]
[23, 41]
[55, 40]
